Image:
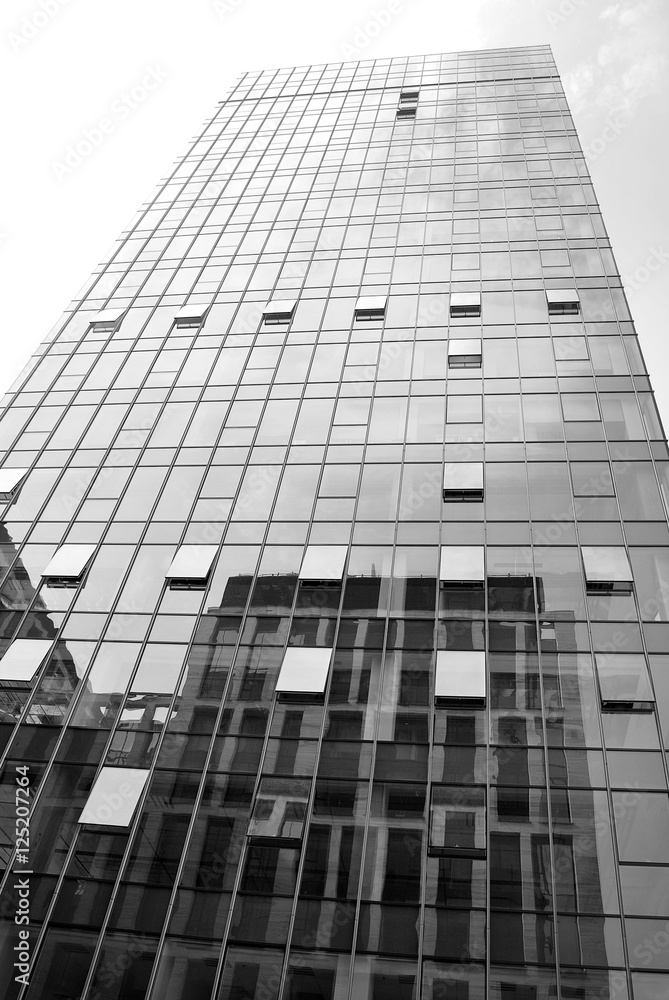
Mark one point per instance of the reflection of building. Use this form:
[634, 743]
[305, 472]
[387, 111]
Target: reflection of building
[354, 486]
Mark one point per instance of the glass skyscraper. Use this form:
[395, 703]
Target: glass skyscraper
[335, 607]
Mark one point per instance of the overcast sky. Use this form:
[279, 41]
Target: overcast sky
[155, 69]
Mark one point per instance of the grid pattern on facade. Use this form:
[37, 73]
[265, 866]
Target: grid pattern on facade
[461, 792]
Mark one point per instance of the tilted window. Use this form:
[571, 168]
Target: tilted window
[68, 565]
[10, 483]
[461, 677]
[22, 660]
[463, 482]
[624, 683]
[563, 301]
[465, 304]
[464, 354]
[191, 566]
[114, 796]
[370, 307]
[108, 320]
[607, 569]
[462, 566]
[323, 565]
[190, 316]
[304, 673]
[279, 311]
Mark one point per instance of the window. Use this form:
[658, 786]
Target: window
[114, 796]
[463, 482]
[563, 301]
[22, 660]
[607, 569]
[457, 822]
[108, 320]
[323, 565]
[190, 567]
[624, 683]
[279, 811]
[278, 311]
[462, 566]
[68, 565]
[189, 316]
[460, 677]
[10, 483]
[304, 673]
[370, 307]
[465, 304]
[464, 354]
[408, 104]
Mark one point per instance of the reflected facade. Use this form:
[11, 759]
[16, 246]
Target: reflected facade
[335, 514]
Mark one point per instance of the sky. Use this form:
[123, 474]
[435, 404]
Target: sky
[154, 70]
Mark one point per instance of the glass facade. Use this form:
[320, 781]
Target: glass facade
[334, 628]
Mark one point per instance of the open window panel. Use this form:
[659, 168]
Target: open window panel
[409, 96]
[624, 682]
[465, 304]
[323, 566]
[463, 482]
[279, 812]
[114, 797]
[11, 481]
[563, 302]
[278, 311]
[22, 660]
[457, 822]
[190, 316]
[406, 111]
[68, 566]
[461, 567]
[370, 307]
[461, 678]
[191, 567]
[304, 674]
[464, 353]
[607, 569]
[108, 320]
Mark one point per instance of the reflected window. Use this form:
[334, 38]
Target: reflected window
[457, 822]
[114, 796]
[607, 569]
[461, 678]
[624, 682]
[279, 811]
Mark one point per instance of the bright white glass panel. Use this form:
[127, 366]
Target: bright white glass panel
[194, 313]
[606, 564]
[464, 300]
[461, 562]
[70, 561]
[108, 316]
[371, 303]
[114, 796]
[23, 659]
[464, 476]
[279, 307]
[323, 562]
[304, 671]
[460, 674]
[456, 348]
[562, 296]
[192, 562]
[9, 480]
